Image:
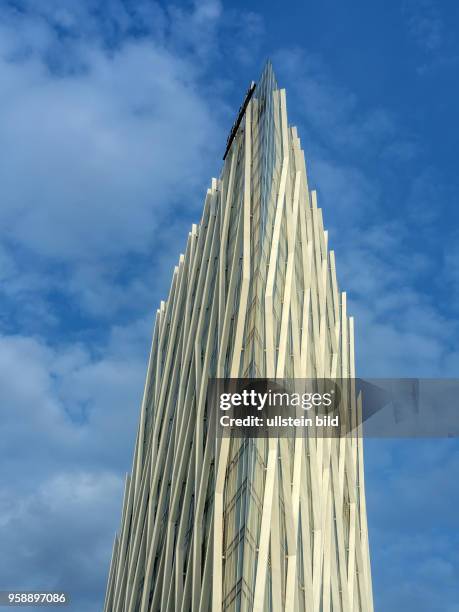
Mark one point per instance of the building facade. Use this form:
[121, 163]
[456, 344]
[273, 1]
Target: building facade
[242, 524]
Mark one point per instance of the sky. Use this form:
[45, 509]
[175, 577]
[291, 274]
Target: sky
[113, 119]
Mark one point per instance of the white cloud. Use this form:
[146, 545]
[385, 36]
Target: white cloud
[58, 535]
[68, 429]
[334, 119]
[105, 141]
[103, 152]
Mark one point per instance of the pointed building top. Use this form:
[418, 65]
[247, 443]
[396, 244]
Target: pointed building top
[267, 82]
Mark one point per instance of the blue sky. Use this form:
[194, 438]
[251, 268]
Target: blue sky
[113, 119]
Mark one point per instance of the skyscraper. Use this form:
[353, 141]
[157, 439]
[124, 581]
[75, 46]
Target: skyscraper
[239, 524]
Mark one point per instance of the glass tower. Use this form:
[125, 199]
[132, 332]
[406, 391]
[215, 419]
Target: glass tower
[242, 524]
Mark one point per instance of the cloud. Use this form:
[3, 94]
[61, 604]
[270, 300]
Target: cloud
[425, 23]
[345, 188]
[58, 535]
[331, 115]
[114, 128]
[109, 134]
[68, 428]
[102, 151]
[429, 27]
[71, 399]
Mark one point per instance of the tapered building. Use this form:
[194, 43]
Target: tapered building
[241, 524]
